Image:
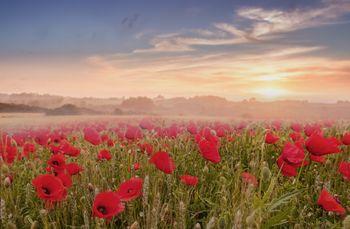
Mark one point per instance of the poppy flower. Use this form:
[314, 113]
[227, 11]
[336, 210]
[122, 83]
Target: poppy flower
[50, 188]
[346, 139]
[192, 128]
[295, 136]
[28, 148]
[110, 143]
[293, 154]
[68, 149]
[319, 159]
[318, 145]
[344, 169]
[133, 133]
[73, 168]
[42, 138]
[8, 153]
[92, 136]
[106, 205]
[136, 166]
[312, 129]
[163, 162]
[57, 162]
[270, 138]
[329, 203]
[209, 150]
[104, 154]
[65, 178]
[130, 189]
[189, 180]
[286, 169]
[297, 127]
[146, 124]
[146, 148]
[249, 179]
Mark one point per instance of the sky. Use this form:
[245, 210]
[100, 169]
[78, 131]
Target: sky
[271, 49]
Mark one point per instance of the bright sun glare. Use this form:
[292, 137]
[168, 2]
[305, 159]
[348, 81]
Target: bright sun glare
[271, 92]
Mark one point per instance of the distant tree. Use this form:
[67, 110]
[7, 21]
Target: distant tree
[117, 111]
[138, 104]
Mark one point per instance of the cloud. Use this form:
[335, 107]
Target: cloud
[267, 22]
[263, 24]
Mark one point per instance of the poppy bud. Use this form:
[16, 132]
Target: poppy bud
[211, 223]
[205, 169]
[7, 181]
[34, 225]
[43, 212]
[250, 220]
[90, 187]
[135, 225]
[238, 219]
[266, 173]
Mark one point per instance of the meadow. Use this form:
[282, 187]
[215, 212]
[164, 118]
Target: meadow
[175, 173]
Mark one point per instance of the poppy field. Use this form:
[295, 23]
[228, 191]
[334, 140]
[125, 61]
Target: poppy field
[162, 173]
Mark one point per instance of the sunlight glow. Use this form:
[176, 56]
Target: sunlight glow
[271, 92]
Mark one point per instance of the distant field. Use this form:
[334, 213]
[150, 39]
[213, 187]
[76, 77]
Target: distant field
[24, 120]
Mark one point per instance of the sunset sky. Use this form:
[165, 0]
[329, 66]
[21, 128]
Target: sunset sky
[271, 49]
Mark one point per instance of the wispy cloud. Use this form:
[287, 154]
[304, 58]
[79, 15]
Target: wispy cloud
[264, 24]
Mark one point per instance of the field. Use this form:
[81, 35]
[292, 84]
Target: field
[157, 172]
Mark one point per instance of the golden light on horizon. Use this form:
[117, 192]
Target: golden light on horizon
[271, 92]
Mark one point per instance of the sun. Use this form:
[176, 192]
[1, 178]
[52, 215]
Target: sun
[271, 92]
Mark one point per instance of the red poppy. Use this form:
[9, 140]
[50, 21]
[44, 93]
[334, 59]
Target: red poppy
[133, 133]
[286, 169]
[146, 148]
[104, 154]
[192, 128]
[92, 136]
[50, 188]
[106, 205]
[318, 145]
[163, 162]
[319, 159]
[312, 129]
[297, 127]
[295, 136]
[73, 168]
[249, 179]
[57, 162]
[65, 178]
[293, 154]
[344, 169]
[329, 203]
[8, 153]
[136, 166]
[130, 189]
[270, 138]
[346, 139]
[209, 150]
[28, 148]
[146, 124]
[110, 142]
[189, 180]
[69, 150]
